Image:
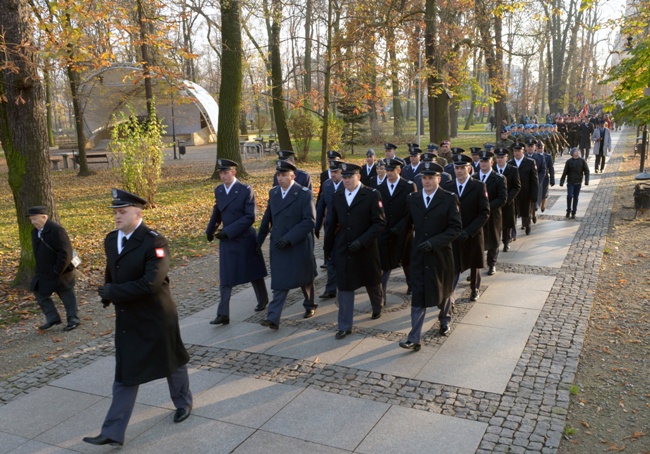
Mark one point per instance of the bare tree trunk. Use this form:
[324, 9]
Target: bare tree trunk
[23, 128]
[398, 113]
[48, 105]
[307, 60]
[146, 62]
[326, 91]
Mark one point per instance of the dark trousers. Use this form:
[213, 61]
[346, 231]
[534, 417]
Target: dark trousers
[124, 396]
[474, 278]
[584, 152]
[346, 305]
[492, 256]
[600, 162]
[69, 300]
[225, 291]
[417, 322]
[330, 285]
[506, 235]
[573, 192]
[280, 296]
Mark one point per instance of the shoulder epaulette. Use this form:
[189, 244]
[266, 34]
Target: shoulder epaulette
[305, 189]
[409, 182]
[154, 233]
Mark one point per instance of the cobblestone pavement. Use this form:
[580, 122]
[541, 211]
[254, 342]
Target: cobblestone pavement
[528, 416]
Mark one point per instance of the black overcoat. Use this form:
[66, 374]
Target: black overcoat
[474, 212]
[148, 342]
[292, 219]
[367, 176]
[498, 196]
[529, 186]
[432, 273]
[395, 212]
[513, 185]
[53, 270]
[362, 221]
[239, 262]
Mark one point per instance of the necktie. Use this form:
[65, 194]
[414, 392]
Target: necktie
[124, 239]
[392, 187]
[483, 178]
[501, 171]
[428, 200]
[460, 189]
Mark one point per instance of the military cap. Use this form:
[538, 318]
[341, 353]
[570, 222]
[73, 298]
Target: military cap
[285, 154]
[414, 151]
[505, 130]
[488, 146]
[226, 164]
[461, 160]
[370, 153]
[284, 166]
[432, 146]
[527, 127]
[457, 150]
[31, 211]
[349, 169]
[520, 126]
[334, 165]
[530, 141]
[123, 199]
[413, 145]
[333, 155]
[501, 152]
[485, 155]
[390, 146]
[540, 143]
[393, 163]
[518, 146]
[431, 168]
[445, 142]
[428, 156]
[381, 162]
[475, 150]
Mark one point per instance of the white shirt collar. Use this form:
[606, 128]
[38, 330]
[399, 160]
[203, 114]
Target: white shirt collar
[228, 188]
[424, 196]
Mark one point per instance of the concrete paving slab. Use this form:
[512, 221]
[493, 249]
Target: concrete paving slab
[476, 357]
[250, 337]
[314, 345]
[405, 430]
[197, 330]
[262, 442]
[378, 355]
[35, 447]
[547, 246]
[96, 378]
[506, 290]
[245, 401]
[497, 316]
[506, 282]
[69, 433]
[326, 418]
[43, 409]
[156, 393]
[559, 208]
[195, 435]
[9, 442]
[398, 321]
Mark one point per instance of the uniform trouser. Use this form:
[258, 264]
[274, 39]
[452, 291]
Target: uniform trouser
[346, 305]
[492, 256]
[573, 192]
[280, 296]
[584, 152]
[474, 278]
[506, 236]
[384, 283]
[225, 291]
[121, 408]
[330, 285]
[49, 309]
[600, 162]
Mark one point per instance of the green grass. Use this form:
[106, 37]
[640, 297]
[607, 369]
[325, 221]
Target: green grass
[574, 390]
[568, 431]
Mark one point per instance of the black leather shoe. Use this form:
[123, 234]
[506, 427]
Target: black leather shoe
[376, 315]
[220, 320]
[474, 295]
[528, 230]
[410, 345]
[49, 325]
[409, 291]
[270, 324]
[506, 248]
[444, 330]
[182, 414]
[341, 334]
[567, 215]
[309, 313]
[327, 295]
[260, 307]
[101, 440]
[492, 270]
[71, 325]
[573, 215]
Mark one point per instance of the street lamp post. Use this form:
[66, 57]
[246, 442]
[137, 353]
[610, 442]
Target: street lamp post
[173, 127]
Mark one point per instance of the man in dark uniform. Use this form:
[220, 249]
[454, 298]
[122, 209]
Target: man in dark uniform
[549, 176]
[289, 217]
[505, 141]
[474, 151]
[357, 222]
[390, 149]
[540, 164]
[369, 170]
[302, 177]
[474, 212]
[434, 215]
[54, 271]
[411, 170]
[323, 216]
[393, 197]
[430, 157]
[513, 186]
[497, 192]
[148, 343]
[240, 263]
[449, 168]
[527, 196]
[380, 178]
[332, 156]
[446, 152]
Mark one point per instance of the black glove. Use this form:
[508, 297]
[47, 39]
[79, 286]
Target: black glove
[317, 234]
[221, 235]
[561, 184]
[209, 236]
[552, 184]
[258, 249]
[103, 291]
[355, 246]
[464, 236]
[425, 246]
[105, 303]
[281, 243]
[394, 231]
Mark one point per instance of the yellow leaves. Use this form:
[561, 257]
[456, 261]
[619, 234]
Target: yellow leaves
[616, 448]
[585, 424]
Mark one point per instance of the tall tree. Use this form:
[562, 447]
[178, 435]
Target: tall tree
[23, 125]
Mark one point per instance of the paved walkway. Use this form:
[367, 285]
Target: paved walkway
[499, 382]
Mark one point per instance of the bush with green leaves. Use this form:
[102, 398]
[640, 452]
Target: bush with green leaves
[303, 126]
[137, 145]
[335, 132]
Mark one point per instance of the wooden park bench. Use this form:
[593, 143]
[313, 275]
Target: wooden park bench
[95, 158]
